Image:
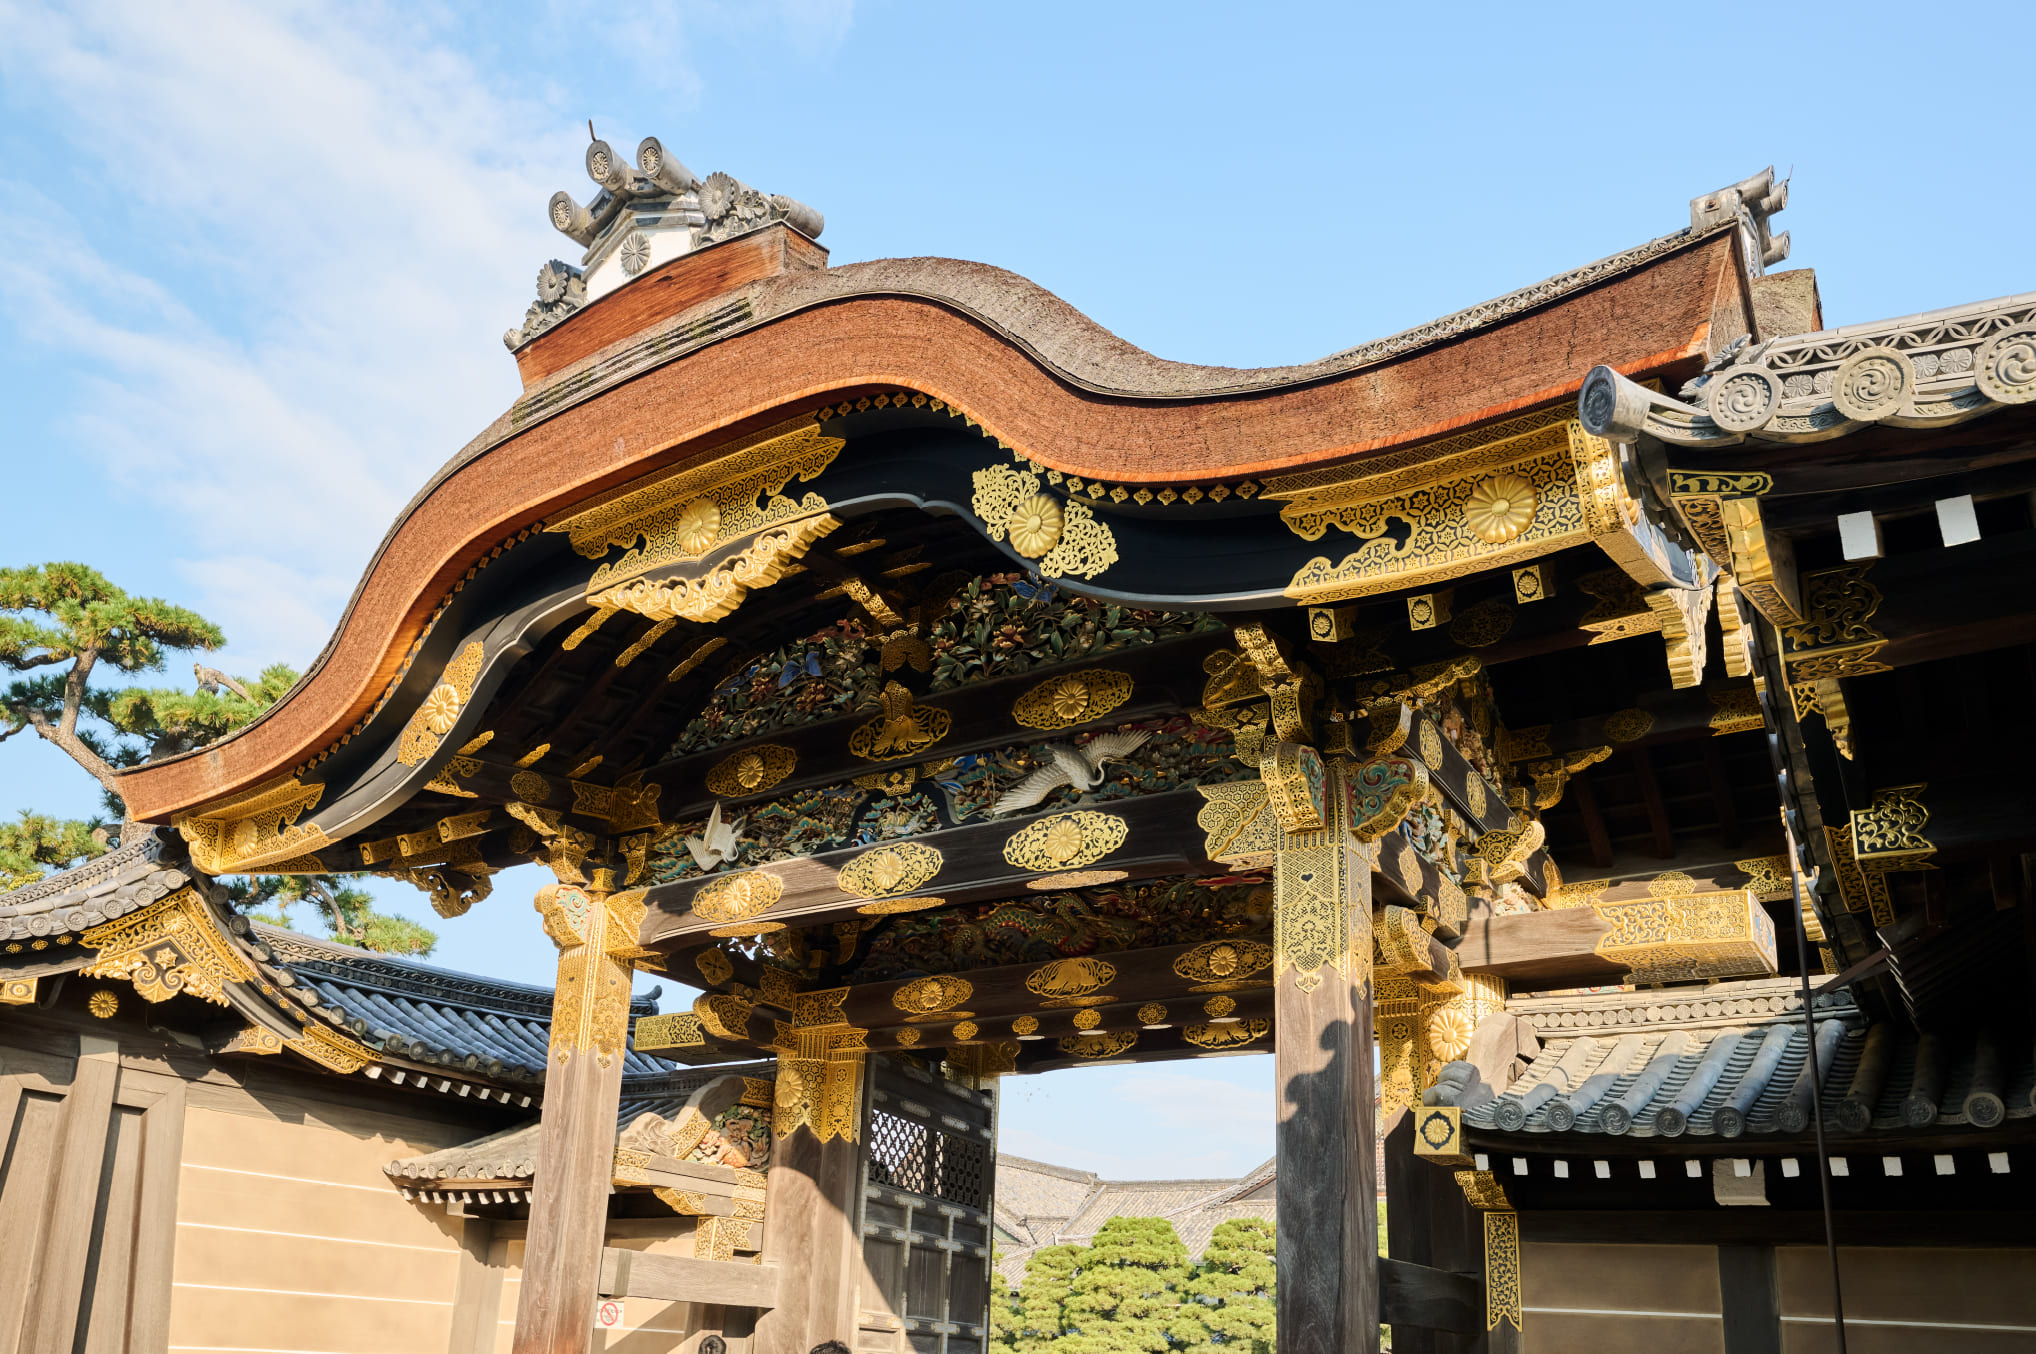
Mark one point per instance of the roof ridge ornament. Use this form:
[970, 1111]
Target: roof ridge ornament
[1752, 202]
[645, 215]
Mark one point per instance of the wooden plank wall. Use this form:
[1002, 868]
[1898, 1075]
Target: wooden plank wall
[649, 1325]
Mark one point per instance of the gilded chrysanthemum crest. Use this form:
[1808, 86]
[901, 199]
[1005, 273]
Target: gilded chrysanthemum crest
[887, 870]
[1066, 840]
[737, 897]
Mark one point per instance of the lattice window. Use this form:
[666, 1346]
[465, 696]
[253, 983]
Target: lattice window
[911, 1156]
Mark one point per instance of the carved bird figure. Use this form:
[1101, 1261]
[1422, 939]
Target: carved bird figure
[211, 679]
[718, 842]
[1080, 767]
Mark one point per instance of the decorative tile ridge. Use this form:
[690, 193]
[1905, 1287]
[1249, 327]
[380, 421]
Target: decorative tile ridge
[334, 962]
[1918, 371]
[1760, 1001]
[146, 849]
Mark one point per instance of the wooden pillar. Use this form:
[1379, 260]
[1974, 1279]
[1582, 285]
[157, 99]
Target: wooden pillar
[811, 1211]
[1328, 1211]
[597, 938]
[1429, 1222]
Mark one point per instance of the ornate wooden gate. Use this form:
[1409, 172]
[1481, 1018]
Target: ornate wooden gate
[927, 1176]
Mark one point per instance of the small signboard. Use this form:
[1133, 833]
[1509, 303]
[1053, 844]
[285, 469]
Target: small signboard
[608, 1314]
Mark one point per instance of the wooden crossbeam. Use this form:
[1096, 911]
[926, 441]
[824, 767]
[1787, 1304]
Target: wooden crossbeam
[1431, 1299]
[681, 1278]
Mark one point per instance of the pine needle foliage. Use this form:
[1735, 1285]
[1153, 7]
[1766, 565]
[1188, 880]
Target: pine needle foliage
[1123, 1297]
[1228, 1305]
[1042, 1298]
[71, 620]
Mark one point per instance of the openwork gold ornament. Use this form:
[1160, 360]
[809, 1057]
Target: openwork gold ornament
[1076, 879]
[530, 787]
[1628, 726]
[1218, 1007]
[1768, 877]
[714, 966]
[1738, 710]
[721, 589]
[1474, 794]
[1888, 833]
[1502, 1265]
[1076, 977]
[738, 897]
[751, 770]
[680, 516]
[251, 829]
[1107, 1044]
[1152, 1015]
[1088, 1018]
[1035, 525]
[1500, 508]
[1066, 840]
[1431, 744]
[681, 1029]
[889, 869]
[1685, 937]
[886, 907]
[1482, 1190]
[1086, 548]
[908, 1037]
[1671, 884]
[1025, 1026]
[1074, 698]
[441, 708]
[1224, 961]
[251, 1039]
[168, 947]
[1231, 1034]
[925, 995]
[903, 730]
[106, 1005]
[331, 1050]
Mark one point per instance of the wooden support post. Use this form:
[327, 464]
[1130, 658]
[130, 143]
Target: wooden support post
[582, 1095]
[1328, 1189]
[80, 1160]
[811, 1217]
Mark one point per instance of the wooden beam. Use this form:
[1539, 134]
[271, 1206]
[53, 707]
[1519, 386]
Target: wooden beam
[477, 1291]
[1721, 794]
[1328, 1217]
[1673, 716]
[576, 1151]
[1586, 800]
[681, 1278]
[1657, 808]
[1415, 1297]
[1163, 839]
[1550, 948]
[1180, 1012]
[81, 1152]
[155, 1232]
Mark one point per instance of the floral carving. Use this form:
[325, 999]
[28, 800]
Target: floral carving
[1500, 508]
[698, 527]
[1066, 840]
[1072, 699]
[1035, 526]
[751, 770]
[737, 897]
[889, 869]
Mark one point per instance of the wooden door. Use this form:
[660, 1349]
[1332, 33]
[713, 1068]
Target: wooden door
[929, 1162]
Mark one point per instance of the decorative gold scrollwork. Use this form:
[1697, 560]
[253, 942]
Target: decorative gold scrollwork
[903, 730]
[1224, 961]
[1066, 840]
[1107, 1044]
[886, 870]
[751, 770]
[942, 992]
[1074, 698]
[1064, 978]
[441, 708]
[1235, 1034]
[738, 897]
[169, 947]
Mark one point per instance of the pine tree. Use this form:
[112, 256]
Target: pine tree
[1123, 1299]
[1005, 1312]
[65, 613]
[1229, 1303]
[1042, 1298]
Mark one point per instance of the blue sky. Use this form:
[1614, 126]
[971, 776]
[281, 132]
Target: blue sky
[260, 256]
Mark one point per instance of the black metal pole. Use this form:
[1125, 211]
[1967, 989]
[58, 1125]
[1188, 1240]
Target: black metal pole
[1817, 1096]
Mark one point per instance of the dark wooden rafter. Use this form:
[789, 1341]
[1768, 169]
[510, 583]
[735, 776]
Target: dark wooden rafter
[1658, 824]
[1585, 798]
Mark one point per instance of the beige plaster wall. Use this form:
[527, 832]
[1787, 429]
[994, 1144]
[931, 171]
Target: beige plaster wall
[1661, 1299]
[1898, 1298]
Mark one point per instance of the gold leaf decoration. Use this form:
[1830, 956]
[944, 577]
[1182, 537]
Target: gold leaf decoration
[714, 966]
[1077, 879]
[1218, 1007]
[965, 1031]
[1070, 977]
[1152, 1013]
[751, 770]
[1035, 525]
[441, 708]
[1628, 726]
[908, 1037]
[1221, 961]
[738, 897]
[1088, 1018]
[748, 930]
[1072, 698]
[105, 1005]
[1025, 1025]
[1235, 1034]
[941, 993]
[885, 907]
[1086, 546]
[1000, 491]
[903, 730]
[1066, 840]
[1500, 508]
[530, 787]
[1449, 1032]
[1107, 1045]
[1431, 745]
[889, 869]
[169, 947]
